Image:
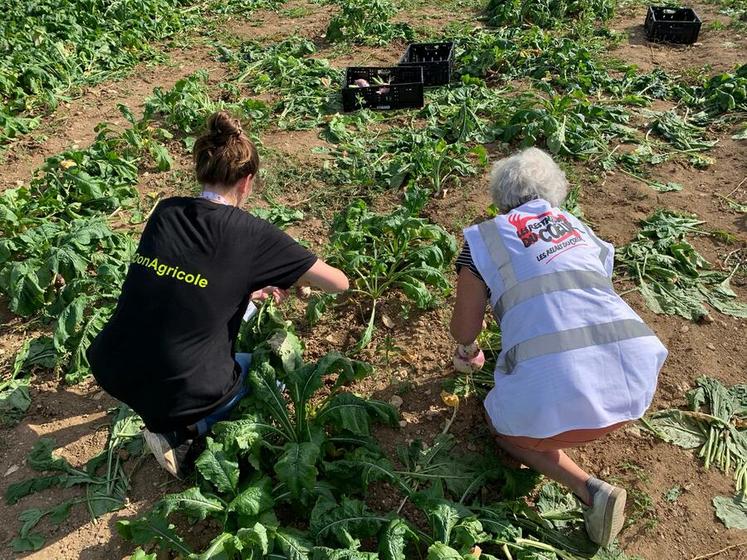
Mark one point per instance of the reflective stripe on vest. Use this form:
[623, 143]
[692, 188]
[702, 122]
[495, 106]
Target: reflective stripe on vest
[498, 253]
[603, 250]
[573, 339]
[547, 283]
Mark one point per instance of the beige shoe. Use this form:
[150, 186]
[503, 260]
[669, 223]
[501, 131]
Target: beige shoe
[605, 518]
[170, 458]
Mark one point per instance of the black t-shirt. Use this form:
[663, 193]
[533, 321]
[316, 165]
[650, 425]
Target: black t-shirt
[168, 349]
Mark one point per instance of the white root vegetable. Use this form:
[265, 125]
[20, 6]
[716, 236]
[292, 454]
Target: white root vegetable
[360, 82]
[468, 359]
[303, 292]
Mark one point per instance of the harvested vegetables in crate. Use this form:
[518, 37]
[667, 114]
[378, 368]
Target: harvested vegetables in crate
[436, 59]
[395, 87]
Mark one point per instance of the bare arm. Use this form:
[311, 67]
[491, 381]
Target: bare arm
[324, 277]
[469, 309]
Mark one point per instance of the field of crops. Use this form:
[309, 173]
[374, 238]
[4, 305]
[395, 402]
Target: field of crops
[375, 448]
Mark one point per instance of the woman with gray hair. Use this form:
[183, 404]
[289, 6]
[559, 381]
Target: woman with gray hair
[577, 362]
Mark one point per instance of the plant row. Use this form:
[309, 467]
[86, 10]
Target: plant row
[302, 442]
[52, 49]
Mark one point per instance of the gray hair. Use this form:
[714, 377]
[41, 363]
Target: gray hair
[525, 176]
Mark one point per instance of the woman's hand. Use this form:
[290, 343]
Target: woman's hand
[269, 292]
[468, 358]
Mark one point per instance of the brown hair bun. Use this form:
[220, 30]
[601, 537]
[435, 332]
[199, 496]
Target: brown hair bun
[222, 125]
[224, 154]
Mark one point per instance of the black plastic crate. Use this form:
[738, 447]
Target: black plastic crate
[394, 87]
[672, 25]
[436, 59]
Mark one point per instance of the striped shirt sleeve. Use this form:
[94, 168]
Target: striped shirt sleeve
[465, 259]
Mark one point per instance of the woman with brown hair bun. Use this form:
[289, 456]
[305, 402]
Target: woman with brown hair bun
[168, 349]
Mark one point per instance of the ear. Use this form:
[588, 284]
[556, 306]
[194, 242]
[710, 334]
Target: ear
[244, 186]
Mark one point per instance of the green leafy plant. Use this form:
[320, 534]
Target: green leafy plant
[243, 7]
[714, 425]
[424, 160]
[307, 86]
[14, 400]
[54, 256]
[546, 13]
[72, 274]
[673, 494]
[734, 205]
[382, 252]
[359, 160]
[719, 94]
[13, 126]
[301, 435]
[568, 125]
[51, 48]
[277, 449]
[468, 112]
[679, 132]
[74, 184]
[731, 511]
[309, 448]
[453, 531]
[366, 22]
[103, 492]
[59, 257]
[671, 275]
[278, 214]
[434, 167]
[186, 106]
[33, 352]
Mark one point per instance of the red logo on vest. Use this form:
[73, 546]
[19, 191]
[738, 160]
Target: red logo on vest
[547, 227]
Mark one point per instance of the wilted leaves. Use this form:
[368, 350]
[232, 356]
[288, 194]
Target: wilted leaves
[731, 511]
[672, 277]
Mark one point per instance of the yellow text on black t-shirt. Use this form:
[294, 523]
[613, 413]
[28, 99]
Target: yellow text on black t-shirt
[163, 269]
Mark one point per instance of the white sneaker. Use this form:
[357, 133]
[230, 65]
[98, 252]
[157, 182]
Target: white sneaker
[170, 458]
[605, 517]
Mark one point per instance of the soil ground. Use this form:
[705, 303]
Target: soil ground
[683, 529]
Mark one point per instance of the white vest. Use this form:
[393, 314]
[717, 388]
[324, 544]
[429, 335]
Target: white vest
[575, 355]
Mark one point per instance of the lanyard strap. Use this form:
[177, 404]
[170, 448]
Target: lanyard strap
[215, 197]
